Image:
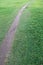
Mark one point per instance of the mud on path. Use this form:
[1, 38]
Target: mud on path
[9, 37]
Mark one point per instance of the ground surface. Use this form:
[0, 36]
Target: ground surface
[28, 43]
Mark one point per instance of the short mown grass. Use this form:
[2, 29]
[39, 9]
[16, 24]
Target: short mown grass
[8, 12]
[28, 44]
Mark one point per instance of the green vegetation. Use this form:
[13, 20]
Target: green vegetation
[28, 44]
[8, 11]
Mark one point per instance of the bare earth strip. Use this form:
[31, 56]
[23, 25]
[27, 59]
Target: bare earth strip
[7, 42]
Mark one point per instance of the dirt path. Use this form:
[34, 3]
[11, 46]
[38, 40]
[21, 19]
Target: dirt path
[7, 42]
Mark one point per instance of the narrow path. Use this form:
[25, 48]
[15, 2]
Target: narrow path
[7, 42]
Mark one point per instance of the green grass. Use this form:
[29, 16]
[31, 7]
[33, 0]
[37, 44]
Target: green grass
[8, 11]
[28, 44]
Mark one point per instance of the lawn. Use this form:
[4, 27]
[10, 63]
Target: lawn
[8, 12]
[28, 44]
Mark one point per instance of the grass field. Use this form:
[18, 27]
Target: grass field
[28, 44]
[8, 11]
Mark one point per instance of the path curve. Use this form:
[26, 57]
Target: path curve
[7, 42]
